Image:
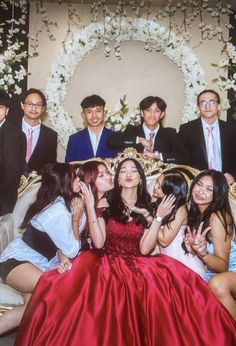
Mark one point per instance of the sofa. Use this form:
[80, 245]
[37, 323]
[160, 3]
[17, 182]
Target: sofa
[9, 224]
[10, 229]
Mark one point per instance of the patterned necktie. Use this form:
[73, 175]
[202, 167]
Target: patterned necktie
[29, 144]
[151, 137]
[211, 149]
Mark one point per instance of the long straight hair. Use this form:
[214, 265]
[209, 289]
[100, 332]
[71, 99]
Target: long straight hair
[57, 180]
[174, 183]
[219, 205]
[117, 209]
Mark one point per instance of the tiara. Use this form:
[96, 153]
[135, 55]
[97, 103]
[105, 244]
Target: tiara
[149, 166]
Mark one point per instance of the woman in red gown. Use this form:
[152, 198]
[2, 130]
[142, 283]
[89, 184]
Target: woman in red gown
[119, 295]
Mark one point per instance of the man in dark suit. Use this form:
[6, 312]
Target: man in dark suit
[41, 140]
[91, 141]
[150, 138]
[12, 157]
[208, 141]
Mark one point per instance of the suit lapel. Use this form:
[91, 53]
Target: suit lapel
[223, 136]
[38, 145]
[200, 134]
[88, 143]
[101, 144]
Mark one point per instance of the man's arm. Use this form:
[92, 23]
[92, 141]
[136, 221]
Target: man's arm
[127, 138]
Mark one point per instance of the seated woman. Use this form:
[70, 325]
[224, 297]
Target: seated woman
[210, 235]
[171, 234]
[117, 294]
[48, 229]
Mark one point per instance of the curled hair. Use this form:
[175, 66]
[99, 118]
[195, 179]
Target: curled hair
[174, 183]
[117, 208]
[57, 180]
[219, 205]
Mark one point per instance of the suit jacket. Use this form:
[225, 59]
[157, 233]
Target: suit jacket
[192, 138]
[45, 150]
[79, 146]
[12, 162]
[165, 141]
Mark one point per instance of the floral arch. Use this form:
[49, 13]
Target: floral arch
[126, 29]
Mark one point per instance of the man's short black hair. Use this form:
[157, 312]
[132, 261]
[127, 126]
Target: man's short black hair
[35, 91]
[4, 99]
[208, 91]
[92, 101]
[148, 101]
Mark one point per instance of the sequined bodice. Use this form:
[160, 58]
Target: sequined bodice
[123, 239]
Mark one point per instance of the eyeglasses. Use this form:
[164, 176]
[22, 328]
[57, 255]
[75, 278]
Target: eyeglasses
[32, 105]
[209, 103]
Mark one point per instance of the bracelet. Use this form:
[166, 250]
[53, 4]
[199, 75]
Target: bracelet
[93, 221]
[204, 254]
[75, 220]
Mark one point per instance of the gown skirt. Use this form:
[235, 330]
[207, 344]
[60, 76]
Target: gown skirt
[117, 297]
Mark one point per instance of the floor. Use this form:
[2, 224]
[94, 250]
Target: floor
[8, 339]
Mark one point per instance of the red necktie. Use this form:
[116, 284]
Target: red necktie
[29, 144]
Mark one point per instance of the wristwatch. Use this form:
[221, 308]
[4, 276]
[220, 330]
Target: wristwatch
[158, 218]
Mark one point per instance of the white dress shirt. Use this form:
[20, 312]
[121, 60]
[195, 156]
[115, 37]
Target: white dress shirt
[217, 144]
[95, 139]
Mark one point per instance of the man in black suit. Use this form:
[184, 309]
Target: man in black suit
[12, 157]
[208, 141]
[150, 138]
[41, 140]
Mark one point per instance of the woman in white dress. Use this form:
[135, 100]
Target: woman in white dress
[172, 231]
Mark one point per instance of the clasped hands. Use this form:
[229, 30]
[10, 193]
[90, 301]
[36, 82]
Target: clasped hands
[195, 241]
[148, 146]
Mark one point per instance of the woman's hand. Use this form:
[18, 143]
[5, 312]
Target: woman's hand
[141, 211]
[200, 244]
[77, 207]
[87, 195]
[189, 240]
[166, 205]
[64, 266]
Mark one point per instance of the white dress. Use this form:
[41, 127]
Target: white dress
[176, 251]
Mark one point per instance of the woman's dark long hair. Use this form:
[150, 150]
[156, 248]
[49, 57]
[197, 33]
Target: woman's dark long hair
[57, 180]
[174, 183]
[219, 205]
[117, 208]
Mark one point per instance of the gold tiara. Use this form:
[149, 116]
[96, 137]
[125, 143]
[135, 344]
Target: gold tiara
[150, 167]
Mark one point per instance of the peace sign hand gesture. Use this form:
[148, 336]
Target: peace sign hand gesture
[200, 244]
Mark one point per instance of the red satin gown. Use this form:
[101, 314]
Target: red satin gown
[117, 297]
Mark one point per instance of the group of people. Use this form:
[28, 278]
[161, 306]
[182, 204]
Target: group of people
[103, 262]
[109, 288]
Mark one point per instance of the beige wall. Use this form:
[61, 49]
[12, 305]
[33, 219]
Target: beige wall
[137, 75]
